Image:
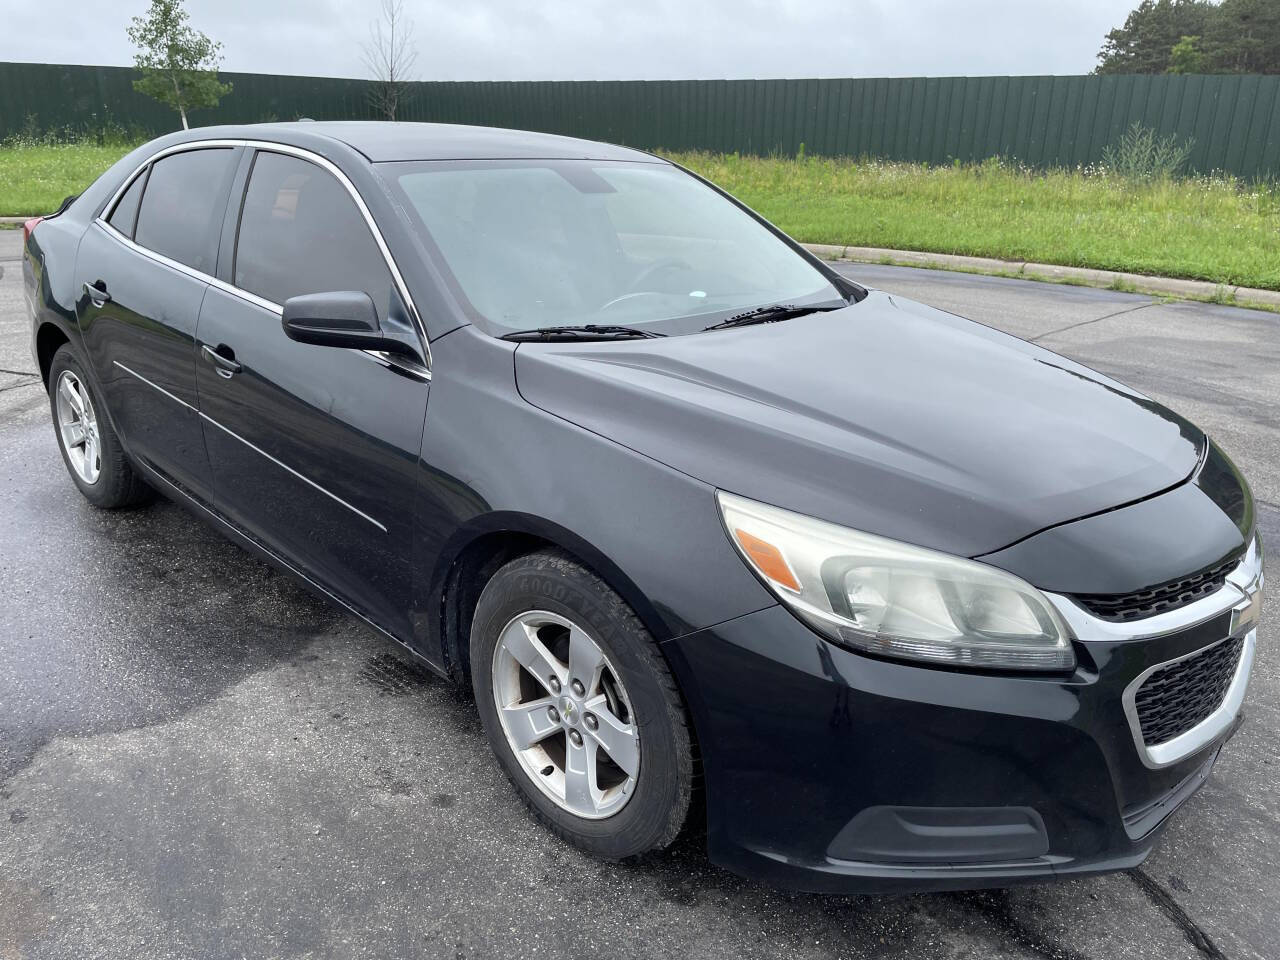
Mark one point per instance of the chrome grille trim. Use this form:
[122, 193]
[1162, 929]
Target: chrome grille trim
[1236, 596]
[1202, 734]
[1161, 598]
[1241, 582]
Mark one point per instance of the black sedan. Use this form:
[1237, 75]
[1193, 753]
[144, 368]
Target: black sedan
[899, 601]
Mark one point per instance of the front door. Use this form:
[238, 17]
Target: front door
[314, 449]
[141, 283]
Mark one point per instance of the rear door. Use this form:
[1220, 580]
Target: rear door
[142, 273]
[314, 449]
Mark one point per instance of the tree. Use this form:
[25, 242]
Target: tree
[179, 64]
[1195, 36]
[1244, 37]
[1186, 56]
[390, 57]
[1145, 43]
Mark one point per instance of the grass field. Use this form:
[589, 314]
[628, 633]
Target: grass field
[1205, 229]
[34, 179]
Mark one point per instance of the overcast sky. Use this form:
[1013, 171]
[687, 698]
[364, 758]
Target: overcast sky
[604, 39]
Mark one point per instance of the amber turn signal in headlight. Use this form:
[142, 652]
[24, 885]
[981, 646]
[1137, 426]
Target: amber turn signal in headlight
[894, 599]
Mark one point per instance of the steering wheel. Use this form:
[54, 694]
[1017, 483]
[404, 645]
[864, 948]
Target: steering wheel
[631, 296]
[655, 269]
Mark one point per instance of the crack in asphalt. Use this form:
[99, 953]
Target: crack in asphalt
[994, 906]
[19, 373]
[1085, 323]
[1167, 905]
[15, 386]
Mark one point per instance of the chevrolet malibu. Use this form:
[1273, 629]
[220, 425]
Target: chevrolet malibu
[886, 599]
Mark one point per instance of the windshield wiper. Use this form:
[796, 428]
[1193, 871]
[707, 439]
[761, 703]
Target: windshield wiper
[768, 314]
[590, 331]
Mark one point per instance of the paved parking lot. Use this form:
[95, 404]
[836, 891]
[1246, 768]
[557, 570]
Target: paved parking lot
[198, 759]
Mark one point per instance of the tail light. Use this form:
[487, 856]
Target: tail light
[28, 227]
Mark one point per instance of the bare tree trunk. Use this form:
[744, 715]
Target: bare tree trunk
[393, 79]
[177, 95]
[390, 56]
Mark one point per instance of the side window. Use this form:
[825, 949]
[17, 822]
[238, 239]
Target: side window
[182, 206]
[300, 232]
[125, 215]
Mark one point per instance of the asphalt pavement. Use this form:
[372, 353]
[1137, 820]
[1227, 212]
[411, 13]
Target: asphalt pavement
[199, 759]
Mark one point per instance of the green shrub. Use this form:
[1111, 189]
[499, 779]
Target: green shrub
[1140, 154]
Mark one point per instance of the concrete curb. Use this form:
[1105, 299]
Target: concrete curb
[1161, 286]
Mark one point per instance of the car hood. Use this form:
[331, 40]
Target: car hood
[887, 416]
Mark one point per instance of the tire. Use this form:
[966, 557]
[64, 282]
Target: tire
[115, 483]
[635, 686]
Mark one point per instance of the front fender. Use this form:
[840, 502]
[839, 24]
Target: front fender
[493, 463]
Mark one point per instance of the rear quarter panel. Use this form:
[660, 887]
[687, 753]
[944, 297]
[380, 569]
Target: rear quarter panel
[49, 257]
[48, 272]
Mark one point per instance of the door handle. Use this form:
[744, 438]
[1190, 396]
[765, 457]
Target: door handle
[227, 365]
[97, 292]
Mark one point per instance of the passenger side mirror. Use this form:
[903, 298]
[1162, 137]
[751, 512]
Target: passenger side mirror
[346, 318]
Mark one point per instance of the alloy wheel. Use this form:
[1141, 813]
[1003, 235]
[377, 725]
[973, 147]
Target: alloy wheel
[566, 714]
[78, 426]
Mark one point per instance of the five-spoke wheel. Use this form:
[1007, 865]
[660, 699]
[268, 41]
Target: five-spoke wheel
[580, 706]
[566, 713]
[93, 453]
[78, 425]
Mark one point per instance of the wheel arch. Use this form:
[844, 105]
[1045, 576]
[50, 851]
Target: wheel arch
[476, 551]
[49, 339]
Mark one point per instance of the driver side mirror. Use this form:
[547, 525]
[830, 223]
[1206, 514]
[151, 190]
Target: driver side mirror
[345, 318]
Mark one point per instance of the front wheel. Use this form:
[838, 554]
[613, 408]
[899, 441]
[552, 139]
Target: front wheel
[90, 448]
[580, 707]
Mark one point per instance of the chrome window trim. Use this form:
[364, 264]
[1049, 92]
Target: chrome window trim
[419, 372]
[393, 362]
[160, 154]
[190, 271]
[252, 446]
[271, 147]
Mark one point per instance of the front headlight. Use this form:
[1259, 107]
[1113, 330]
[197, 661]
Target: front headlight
[895, 599]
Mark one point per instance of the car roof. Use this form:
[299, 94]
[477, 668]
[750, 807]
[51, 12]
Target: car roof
[382, 141]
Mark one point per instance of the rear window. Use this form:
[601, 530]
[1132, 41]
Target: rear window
[125, 215]
[183, 204]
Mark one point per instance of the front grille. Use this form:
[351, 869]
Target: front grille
[1175, 698]
[1123, 607]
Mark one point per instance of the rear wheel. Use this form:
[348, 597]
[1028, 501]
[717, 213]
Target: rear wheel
[580, 707]
[90, 448]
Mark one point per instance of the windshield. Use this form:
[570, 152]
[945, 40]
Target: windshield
[533, 244]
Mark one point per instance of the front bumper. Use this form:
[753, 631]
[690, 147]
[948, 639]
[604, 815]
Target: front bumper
[830, 771]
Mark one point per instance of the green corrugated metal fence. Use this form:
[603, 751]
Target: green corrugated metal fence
[1041, 121]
